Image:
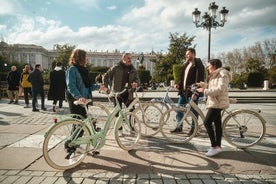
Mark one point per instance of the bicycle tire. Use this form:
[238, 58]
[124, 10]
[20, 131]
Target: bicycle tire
[100, 113]
[161, 105]
[127, 131]
[168, 125]
[150, 119]
[56, 145]
[244, 128]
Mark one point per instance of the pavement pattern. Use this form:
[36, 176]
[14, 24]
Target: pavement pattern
[154, 161]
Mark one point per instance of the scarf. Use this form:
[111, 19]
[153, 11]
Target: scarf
[84, 75]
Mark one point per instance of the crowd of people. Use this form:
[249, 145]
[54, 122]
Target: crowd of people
[75, 84]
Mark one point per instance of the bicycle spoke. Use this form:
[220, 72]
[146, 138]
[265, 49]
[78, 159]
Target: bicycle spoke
[59, 150]
[244, 128]
[149, 117]
[127, 131]
[171, 129]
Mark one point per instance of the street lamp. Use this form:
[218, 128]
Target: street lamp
[209, 20]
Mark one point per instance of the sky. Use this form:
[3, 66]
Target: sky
[133, 25]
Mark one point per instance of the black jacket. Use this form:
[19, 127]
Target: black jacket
[13, 79]
[36, 79]
[195, 74]
[57, 85]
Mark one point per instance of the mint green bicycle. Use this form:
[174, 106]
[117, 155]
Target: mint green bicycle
[68, 141]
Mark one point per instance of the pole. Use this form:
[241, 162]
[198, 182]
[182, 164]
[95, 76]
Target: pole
[209, 42]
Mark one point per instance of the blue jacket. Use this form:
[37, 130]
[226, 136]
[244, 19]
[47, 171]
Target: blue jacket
[75, 84]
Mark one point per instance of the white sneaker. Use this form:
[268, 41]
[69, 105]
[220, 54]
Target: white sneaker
[27, 106]
[213, 151]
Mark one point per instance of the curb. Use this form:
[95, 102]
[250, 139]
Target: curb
[25, 177]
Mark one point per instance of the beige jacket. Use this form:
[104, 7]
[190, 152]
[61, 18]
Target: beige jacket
[217, 89]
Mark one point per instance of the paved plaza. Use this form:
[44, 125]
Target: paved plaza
[154, 161]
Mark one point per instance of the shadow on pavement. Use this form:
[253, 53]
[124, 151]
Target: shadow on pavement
[4, 123]
[10, 113]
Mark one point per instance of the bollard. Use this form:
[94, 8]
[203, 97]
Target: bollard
[265, 85]
[172, 83]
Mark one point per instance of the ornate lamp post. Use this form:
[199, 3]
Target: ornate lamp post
[209, 20]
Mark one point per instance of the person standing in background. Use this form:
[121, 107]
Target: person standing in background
[26, 85]
[37, 82]
[57, 86]
[13, 79]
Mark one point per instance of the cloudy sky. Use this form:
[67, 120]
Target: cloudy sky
[133, 25]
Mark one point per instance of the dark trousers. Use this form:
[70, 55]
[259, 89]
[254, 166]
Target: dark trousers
[35, 92]
[214, 115]
[27, 91]
[75, 109]
[59, 102]
[183, 100]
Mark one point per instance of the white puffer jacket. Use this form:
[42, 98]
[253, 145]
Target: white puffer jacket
[217, 90]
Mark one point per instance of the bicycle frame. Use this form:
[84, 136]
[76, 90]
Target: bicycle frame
[225, 113]
[167, 99]
[88, 122]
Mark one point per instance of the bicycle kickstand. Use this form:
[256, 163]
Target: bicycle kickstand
[95, 150]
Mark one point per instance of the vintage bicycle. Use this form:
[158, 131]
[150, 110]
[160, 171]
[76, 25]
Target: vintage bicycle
[148, 113]
[242, 128]
[68, 141]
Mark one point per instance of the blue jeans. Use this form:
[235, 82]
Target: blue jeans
[182, 100]
[35, 92]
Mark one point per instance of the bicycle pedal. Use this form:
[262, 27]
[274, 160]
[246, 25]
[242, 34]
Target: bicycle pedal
[94, 153]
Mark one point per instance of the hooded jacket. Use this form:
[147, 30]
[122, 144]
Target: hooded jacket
[217, 90]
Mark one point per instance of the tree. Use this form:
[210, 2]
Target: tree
[176, 53]
[144, 75]
[178, 46]
[272, 75]
[254, 65]
[258, 58]
[177, 72]
[64, 52]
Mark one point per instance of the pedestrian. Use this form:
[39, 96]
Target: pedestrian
[121, 75]
[216, 91]
[37, 82]
[26, 85]
[79, 85]
[13, 79]
[57, 86]
[192, 72]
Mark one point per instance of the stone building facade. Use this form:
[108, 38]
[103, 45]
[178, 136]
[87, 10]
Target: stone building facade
[33, 54]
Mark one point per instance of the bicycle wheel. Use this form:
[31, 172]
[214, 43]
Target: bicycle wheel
[100, 113]
[127, 131]
[161, 105]
[150, 119]
[168, 125]
[244, 128]
[60, 147]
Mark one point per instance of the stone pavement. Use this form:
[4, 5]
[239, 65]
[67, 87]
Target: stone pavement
[154, 161]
